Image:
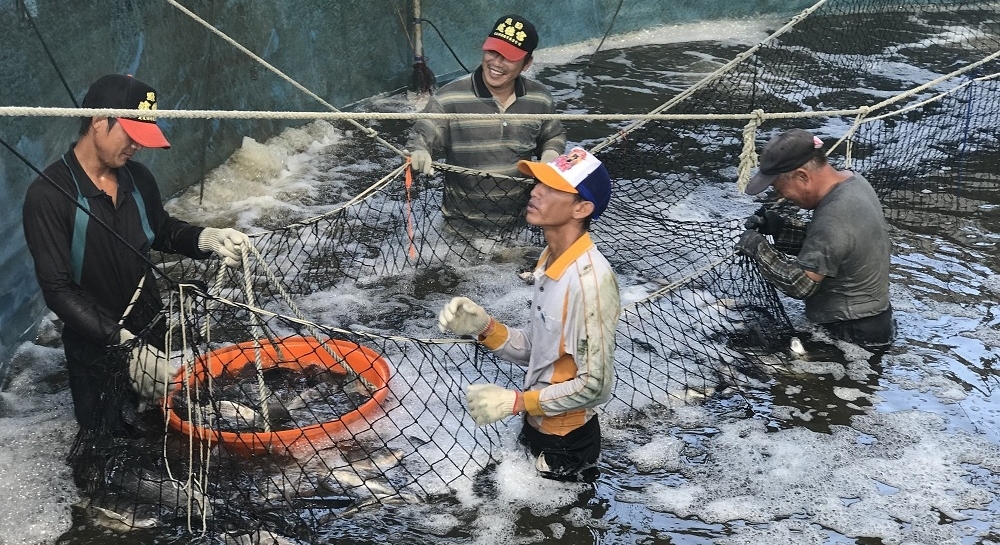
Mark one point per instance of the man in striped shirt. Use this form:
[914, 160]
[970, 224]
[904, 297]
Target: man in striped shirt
[492, 146]
[568, 347]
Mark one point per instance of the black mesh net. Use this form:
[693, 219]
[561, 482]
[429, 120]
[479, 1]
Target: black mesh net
[282, 415]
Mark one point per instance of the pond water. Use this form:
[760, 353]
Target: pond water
[844, 447]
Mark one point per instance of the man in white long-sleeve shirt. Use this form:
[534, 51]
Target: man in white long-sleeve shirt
[568, 347]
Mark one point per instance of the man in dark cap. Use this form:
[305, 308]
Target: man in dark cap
[497, 86]
[568, 348]
[90, 221]
[838, 262]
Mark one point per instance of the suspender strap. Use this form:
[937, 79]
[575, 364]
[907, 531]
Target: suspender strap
[80, 222]
[82, 219]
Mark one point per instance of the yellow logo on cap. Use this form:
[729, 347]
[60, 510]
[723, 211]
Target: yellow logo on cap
[511, 31]
[148, 104]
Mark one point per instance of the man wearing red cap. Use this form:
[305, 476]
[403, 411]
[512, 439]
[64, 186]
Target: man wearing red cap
[495, 147]
[90, 221]
[568, 348]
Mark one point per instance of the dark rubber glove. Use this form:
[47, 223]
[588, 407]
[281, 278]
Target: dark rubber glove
[749, 242]
[766, 222]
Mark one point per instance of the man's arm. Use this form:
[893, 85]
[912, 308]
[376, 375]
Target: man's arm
[552, 137]
[428, 134]
[782, 271]
[48, 232]
[170, 235]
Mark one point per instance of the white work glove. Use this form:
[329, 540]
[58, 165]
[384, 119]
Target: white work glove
[489, 403]
[549, 155]
[149, 368]
[229, 244]
[462, 316]
[420, 161]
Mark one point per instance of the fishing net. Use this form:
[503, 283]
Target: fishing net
[311, 382]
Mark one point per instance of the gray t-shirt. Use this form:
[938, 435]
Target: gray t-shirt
[847, 241]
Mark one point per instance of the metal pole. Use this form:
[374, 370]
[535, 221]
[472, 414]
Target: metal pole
[423, 78]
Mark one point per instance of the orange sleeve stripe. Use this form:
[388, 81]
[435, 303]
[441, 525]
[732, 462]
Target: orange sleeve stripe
[531, 404]
[497, 337]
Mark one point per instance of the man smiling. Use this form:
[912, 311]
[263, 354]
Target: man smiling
[496, 87]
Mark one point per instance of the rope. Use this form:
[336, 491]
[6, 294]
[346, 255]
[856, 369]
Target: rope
[681, 282]
[46, 111]
[256, 328]
[711, 77]
[605, 37]
[847, 137]
[258, 325]
[748, 157]
[367, 130]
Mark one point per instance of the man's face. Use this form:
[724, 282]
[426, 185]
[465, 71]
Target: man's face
[500, 73]
[794, 186]
[549, 207]
[114, 145]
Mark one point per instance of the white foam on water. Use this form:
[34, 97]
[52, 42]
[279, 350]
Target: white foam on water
[928, 449]
[731, 32]
[36, 431]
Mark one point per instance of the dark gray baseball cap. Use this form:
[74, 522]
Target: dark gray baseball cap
[783, 153]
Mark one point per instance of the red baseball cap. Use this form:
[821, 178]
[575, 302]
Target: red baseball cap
[119, 91]
[513, 37]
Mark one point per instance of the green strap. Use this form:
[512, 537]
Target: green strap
[79, 228]
[82, 220]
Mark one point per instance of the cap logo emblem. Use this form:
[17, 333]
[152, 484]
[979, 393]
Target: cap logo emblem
[571, 159]
[148, 104]
[511, 31]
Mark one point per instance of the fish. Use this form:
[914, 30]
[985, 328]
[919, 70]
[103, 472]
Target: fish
[256, 537]
[121, 521]
[164, 491]
[229, 415]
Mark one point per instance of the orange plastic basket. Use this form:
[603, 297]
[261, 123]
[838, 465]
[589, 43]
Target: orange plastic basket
[296, 353]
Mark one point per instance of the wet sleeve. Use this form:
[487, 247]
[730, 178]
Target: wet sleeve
[48, 231]
[785, 273]
[553, 134]
[170, 234]
[791, 237]
[428, 134]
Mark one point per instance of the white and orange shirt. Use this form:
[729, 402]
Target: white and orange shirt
[568, 347]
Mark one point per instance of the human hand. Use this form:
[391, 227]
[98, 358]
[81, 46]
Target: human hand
[228, 244]
[549, 155]
[148, 368]
[488, 402]
[765, 222]
[462, 316]
[420, 161]
[749, 243]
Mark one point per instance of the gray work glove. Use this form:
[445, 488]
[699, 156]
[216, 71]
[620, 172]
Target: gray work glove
[420, 161]
[462, 316]
[749, 242]
[149, 368]
[228, 244]
[549, 155]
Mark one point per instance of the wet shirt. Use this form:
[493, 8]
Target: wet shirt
[89, 282]
[568, 347]
[487, 145]
[847, 241]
